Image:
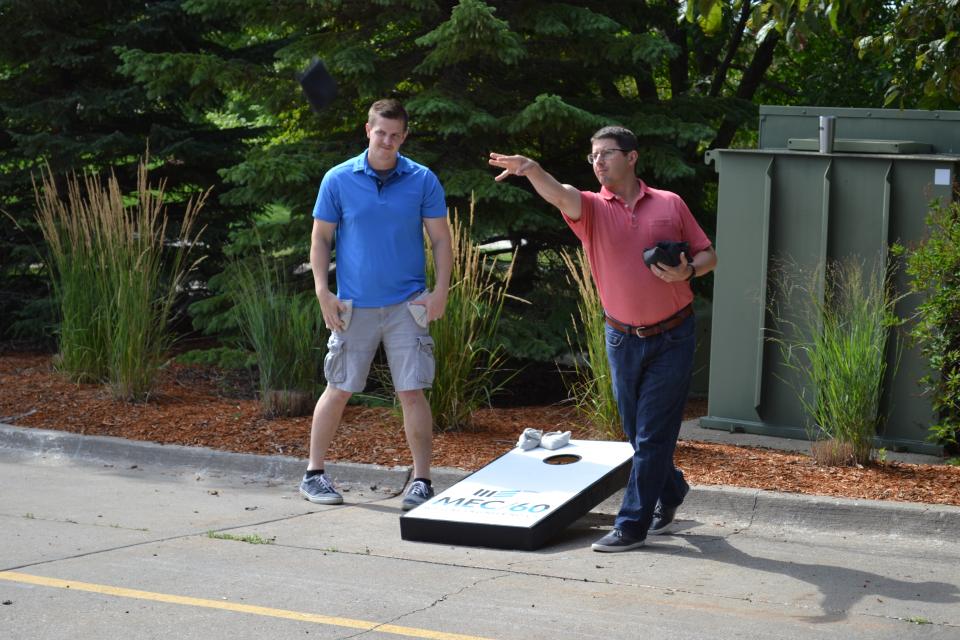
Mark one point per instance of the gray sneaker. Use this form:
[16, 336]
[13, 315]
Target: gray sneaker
[418, 493]
[319, 490]
[617, 540]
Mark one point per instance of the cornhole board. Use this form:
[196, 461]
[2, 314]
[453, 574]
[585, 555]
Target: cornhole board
[523, 498]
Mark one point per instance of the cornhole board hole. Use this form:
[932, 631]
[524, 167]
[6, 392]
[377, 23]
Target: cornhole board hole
[523, 498]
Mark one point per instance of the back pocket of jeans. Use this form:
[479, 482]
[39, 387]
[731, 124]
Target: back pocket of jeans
[426, 365]
[335, 362]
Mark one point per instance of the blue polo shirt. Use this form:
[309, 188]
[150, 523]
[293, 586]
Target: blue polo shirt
[379, 238]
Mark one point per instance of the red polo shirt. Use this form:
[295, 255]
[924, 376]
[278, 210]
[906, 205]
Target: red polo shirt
[614, 238]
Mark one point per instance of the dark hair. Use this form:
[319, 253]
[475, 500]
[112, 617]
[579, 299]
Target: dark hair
[624, 137]
[389, 108]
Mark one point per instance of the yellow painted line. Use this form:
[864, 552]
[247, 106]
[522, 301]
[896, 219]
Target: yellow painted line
[299, 616]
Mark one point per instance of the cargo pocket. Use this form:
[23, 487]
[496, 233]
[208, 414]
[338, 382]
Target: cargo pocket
[335, 362]
[426, 365]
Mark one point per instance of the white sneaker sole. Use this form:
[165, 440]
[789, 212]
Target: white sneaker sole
[326, 500]
[620, 547]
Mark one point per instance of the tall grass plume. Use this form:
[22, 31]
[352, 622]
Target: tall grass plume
[832, 325]
[468, 356]
[116, 275]
[285, 331]
[592, 386]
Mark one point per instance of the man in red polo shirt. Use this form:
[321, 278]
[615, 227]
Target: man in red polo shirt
[650, 323]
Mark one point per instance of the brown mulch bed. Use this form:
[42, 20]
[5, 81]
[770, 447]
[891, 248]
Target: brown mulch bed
[192, 406]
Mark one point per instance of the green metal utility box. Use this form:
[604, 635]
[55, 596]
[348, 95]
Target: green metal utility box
[786, 202]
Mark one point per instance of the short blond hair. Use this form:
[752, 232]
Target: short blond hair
[389, 108]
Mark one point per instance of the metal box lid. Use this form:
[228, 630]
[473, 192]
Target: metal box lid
[854, 145]
[938, 129]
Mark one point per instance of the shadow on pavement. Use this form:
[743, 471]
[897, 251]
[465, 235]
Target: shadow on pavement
[840, 587]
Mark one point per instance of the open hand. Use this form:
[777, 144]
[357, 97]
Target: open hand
[511, 165]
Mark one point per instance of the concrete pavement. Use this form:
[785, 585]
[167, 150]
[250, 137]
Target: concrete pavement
[106, 538]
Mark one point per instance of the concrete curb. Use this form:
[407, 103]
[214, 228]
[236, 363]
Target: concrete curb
[27, 443]
[734, 506]
[743, 508]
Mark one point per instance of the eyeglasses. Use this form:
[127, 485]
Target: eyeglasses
[603, 155]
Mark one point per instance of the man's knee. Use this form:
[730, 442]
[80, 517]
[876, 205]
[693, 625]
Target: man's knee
[332, 395]
[411, 398]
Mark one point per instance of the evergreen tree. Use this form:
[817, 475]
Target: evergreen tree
[213, 84]
[64, 104]
[531, 77]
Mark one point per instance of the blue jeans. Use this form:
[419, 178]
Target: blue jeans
[651, 378]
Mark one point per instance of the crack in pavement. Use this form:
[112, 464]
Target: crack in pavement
[826, 613]
[163, 539]
[132, 545]
[30, 516]
[442, 598]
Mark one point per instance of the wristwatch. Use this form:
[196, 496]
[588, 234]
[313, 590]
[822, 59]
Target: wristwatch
[693, 271]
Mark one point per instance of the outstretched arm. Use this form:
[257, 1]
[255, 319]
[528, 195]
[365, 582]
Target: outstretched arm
[562, 196]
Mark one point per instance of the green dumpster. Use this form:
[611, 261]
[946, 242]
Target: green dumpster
[788, 202]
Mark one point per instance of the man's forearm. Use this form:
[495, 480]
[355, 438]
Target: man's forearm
[443, 262]
[704, 262]
[320, 265]
[548, 187]
[562, 196]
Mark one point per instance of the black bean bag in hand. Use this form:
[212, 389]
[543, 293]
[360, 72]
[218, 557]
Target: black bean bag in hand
[667, 253]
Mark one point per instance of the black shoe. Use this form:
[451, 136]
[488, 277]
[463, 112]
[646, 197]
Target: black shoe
[662, 520]
[617, 540]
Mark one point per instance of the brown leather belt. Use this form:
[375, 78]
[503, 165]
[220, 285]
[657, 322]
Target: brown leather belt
[654, 329]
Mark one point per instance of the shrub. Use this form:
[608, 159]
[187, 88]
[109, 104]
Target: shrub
[468, 356]
[115, 290]
[842, 315]
[934, 267]
[592, 386]
[285, 331]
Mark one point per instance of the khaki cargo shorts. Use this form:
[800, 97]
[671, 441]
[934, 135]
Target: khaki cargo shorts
[408, 346]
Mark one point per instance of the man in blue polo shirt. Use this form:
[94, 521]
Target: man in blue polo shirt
[373, 208]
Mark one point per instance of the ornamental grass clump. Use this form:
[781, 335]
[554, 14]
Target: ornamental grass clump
[286, 332]
[469, 358]
[592, 386]
[836, 339]
[115, 275]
